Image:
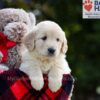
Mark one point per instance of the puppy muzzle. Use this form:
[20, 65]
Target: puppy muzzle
[51, 51]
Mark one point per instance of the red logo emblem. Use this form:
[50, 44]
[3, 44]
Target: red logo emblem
[87, 5]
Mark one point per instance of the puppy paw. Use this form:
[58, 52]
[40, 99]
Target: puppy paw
[55, 85]
[37, 84]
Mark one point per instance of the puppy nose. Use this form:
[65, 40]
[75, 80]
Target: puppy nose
[51, 50]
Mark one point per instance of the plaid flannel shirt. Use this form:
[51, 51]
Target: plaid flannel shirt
[15, 85]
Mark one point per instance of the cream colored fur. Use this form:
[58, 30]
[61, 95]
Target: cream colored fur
[36, 61]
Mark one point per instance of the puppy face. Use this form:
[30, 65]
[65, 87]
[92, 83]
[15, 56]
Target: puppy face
[47, 39]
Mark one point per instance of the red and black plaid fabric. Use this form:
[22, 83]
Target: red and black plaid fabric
[15, 85]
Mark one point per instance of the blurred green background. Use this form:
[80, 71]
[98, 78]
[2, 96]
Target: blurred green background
[83, 40]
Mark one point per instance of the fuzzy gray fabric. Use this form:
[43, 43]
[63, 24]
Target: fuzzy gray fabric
[15, 23]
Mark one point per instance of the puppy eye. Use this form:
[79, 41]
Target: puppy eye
[58, 39]
[44, 38]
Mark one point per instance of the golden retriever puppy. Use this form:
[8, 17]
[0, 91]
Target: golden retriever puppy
[45, 54]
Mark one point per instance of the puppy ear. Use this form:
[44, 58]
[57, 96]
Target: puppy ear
[64, 45]
[28, 41]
